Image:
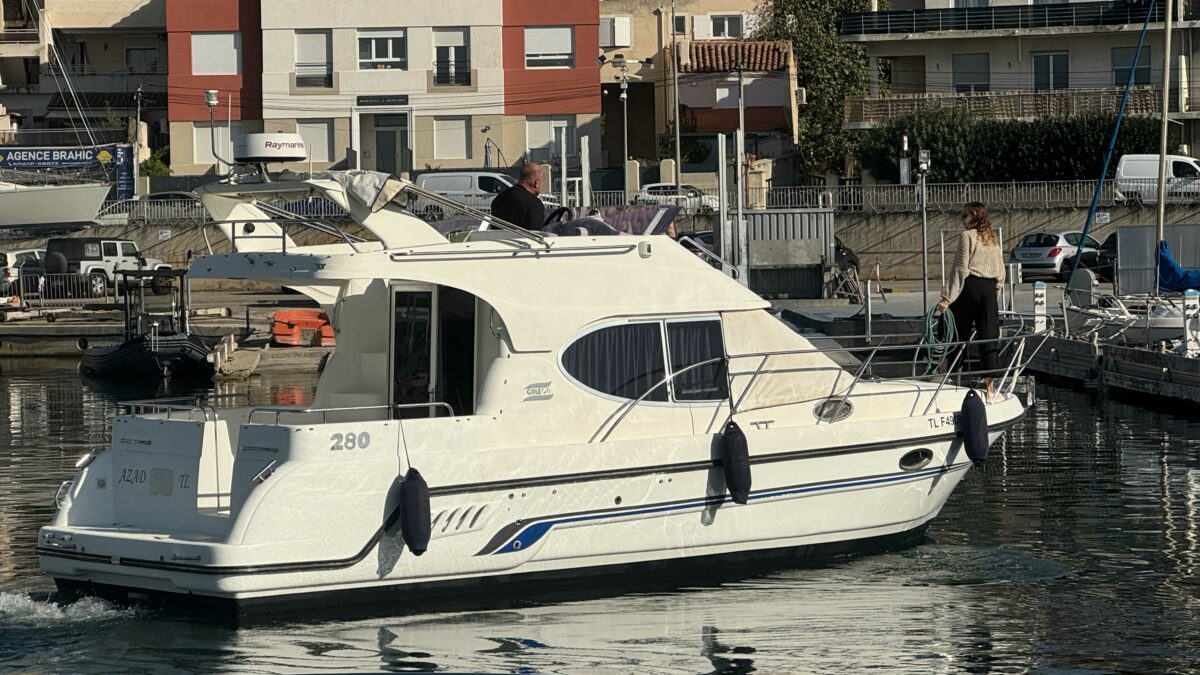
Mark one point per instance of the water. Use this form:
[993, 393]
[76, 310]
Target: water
[1075, 551]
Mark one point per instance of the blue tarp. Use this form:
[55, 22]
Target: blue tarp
[1171, 277]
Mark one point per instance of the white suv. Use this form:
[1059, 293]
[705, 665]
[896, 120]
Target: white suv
[687, 196]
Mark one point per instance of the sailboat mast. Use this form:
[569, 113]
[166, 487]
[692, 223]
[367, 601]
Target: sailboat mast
[1165, 121]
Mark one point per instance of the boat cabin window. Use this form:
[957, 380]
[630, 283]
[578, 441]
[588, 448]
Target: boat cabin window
[691, 343]
[627, 360]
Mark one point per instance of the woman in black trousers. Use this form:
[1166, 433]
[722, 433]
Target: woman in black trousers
[973, 289]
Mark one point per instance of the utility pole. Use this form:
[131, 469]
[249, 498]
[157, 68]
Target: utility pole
[137, 142]
[675, 74]
[1162, 132]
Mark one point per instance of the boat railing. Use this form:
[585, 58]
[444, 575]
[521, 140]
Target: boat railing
[170, 407]
[282, 236]
[1016, 363]
[279, 411]
[700, 250]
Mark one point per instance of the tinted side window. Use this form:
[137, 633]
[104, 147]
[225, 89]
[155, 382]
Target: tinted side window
[110, 248]
[622, 361]
[692, 342]
[1072, 239]
[1184, 170]
[127, 248]
[492, 184]
[26, 259]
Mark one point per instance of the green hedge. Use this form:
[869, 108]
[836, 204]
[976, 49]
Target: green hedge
[968, 149]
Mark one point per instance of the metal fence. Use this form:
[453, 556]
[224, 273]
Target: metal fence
[64, 290]
[1005, 17]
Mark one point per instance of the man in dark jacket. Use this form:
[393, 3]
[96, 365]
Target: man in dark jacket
[519, 204]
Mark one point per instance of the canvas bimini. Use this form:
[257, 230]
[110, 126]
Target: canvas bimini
[512, 408]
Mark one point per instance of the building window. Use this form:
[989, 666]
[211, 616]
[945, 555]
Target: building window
[727, 26]
[141, 60]
[216, 53]
[972, 73]
[202, 136]
[1050, 71]
[680, 25]
[314, 67]
[623, 361]
[318, 138]
[1122, 63]
[615, 31]
[451, 56]
[451, 138]
[383, 50]
[550, 47]
[544, 136]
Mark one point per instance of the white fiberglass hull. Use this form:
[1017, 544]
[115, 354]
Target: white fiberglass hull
[1139, 330]
[46, 205]
[831, 485]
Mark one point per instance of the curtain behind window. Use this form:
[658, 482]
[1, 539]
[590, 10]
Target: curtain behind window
[623, 361]
[692, 342]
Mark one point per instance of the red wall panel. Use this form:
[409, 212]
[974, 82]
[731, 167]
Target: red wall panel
[552, 91]
[185, 92]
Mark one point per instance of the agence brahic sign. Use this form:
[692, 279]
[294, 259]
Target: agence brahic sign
[116, 160]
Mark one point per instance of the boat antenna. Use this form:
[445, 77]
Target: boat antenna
[1112, 141]
[1162, 138]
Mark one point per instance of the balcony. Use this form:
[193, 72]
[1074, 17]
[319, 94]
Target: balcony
[863, 25]
[19, 43]
[105, 79]
[314, 75]
[864, 112]
[452, 73]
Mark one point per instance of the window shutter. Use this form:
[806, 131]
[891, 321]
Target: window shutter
[548, 40]
[450, 138]
[216, 53]
[749, 25]
[455, 37]
[607, 32]
[702, 27]
[312, 47]
[622, 32]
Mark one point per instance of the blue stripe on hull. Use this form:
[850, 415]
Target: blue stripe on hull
[534, 532]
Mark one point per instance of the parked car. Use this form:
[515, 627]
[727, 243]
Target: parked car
[473, 188]
[98, 260]
[21, 271]
[686, 196]
[1102, 261]
[1137, 178]
[1050, 253]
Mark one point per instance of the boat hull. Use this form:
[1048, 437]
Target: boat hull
[817, 497]
[52, 205]
[173, 355]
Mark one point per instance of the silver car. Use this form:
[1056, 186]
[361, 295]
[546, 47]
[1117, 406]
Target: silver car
[686, 196]
[1051, 253]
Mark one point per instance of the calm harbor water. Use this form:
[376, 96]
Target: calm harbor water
[1075, 551]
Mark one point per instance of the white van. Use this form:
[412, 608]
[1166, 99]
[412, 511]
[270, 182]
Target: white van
[1137, 178]
[473, 188]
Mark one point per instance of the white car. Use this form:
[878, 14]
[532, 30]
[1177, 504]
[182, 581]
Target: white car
[686, 196]
[476, 189]
[1051, 253]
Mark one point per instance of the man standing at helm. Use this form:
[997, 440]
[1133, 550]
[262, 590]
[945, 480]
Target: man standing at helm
[519, 204]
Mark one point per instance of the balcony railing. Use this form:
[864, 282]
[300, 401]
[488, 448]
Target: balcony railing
[452, 73]
[22, 36]
[86, 69]
[865, 111]
[314, 75]
[1004, 17]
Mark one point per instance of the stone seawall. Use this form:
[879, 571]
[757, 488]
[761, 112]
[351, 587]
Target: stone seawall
[894, 239]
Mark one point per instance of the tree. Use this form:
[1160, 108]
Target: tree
[159, 163]
[829, 69]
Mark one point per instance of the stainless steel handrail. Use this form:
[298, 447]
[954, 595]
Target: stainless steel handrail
[704, 252]
[398, 256]
[628, 406]
[324, 412]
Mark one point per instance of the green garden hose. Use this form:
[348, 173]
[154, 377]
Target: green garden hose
[937, 342]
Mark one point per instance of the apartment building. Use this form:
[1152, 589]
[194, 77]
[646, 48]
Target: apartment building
[212, 45]
[63, 60]
[1016, 59]
[443, 85]
[642, 30]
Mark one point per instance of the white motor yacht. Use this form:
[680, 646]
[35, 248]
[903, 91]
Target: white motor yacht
[506, 410]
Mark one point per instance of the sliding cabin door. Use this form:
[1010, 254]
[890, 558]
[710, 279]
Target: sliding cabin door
[414, 357]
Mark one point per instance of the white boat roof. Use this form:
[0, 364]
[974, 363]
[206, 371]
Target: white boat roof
[543, 293]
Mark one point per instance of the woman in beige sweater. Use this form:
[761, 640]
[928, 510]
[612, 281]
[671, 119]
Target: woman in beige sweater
[973, 289]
